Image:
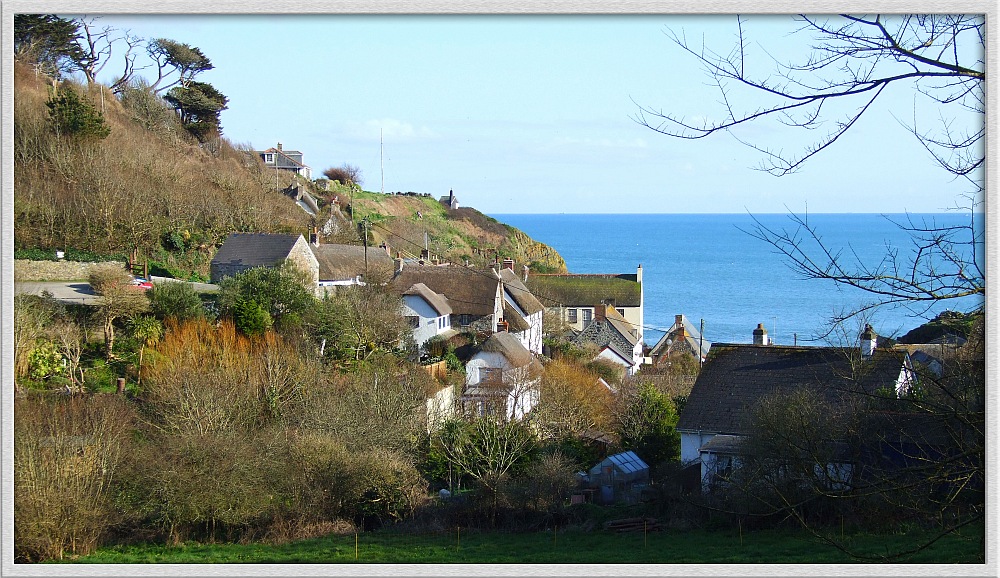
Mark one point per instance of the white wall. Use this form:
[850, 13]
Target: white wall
[429, 323]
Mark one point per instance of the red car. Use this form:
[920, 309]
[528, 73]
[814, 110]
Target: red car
[142, 283]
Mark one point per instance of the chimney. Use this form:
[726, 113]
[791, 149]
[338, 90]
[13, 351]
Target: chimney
[279, 146]
[398, 264]
[868, 341]
[508, 264]
[314, 237]
[760, 335]
[679, 320]
[502, 326]
[600, 312]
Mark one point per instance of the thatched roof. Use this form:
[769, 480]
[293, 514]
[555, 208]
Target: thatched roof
[468, 291]
[343, 262]
[435, 300]
[586, 290]
[510, 347]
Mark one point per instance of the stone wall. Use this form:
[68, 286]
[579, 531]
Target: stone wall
[25, 270]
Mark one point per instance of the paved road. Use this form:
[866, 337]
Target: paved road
[81, 292]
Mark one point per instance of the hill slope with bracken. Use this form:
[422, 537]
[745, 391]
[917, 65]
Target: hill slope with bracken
[145, 187]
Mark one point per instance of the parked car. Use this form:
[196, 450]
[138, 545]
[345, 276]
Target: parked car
[141, 283]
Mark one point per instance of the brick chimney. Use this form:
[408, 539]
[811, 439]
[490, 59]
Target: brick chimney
[314, 237]
[508, 264]
[279, 146]
[760, 335]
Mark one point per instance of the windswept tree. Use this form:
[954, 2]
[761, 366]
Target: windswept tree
[98, 44]
[171, 57]
[47, 42]
[199, 105]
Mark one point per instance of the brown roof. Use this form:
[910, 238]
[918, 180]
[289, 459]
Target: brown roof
[736, 377]
[522, 296]
[511, 348]
[468, 291]
[436, 301]
[342, 262]
[514, 320]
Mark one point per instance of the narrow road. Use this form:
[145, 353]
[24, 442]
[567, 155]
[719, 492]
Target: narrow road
[81, 292]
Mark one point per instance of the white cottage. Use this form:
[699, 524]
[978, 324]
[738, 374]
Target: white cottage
[503, 377]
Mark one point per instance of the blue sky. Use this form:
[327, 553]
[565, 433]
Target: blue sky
[533, 114]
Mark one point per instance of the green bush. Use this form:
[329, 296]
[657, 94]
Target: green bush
[35, 254]
[44, 360]
[250, 318]
[174, 299]
[72, 116]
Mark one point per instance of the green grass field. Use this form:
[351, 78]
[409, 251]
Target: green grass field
[562, 547]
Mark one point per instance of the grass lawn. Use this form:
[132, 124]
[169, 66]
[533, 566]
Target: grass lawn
[563, 547]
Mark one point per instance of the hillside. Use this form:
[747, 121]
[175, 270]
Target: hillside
[143, 186]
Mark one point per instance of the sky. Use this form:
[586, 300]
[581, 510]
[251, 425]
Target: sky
[535, 114]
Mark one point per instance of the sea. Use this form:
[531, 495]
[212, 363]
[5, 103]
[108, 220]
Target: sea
[712, 270]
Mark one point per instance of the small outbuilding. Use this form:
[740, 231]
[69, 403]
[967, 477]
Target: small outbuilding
[619, 475]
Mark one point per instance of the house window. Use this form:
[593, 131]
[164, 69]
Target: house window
[464, 319]
[442, 322]
[413, 320]
[621, 311]
[268, 157]
[571, 315]
[490, 375]
[588, 315]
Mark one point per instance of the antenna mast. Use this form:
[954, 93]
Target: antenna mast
[381, 163]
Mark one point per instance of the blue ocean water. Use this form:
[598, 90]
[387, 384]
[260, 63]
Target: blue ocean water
[707, 267]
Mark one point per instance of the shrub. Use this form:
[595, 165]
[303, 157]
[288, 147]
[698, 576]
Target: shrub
[67, 453]
[72, 116]
[344, 174]
[44, 360]
[250, 318]
[177, 300]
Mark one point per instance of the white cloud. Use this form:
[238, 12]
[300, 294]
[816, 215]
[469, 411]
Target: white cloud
[389, 129]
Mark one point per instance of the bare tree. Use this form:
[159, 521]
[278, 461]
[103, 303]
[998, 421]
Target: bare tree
[98, 43]
[854, 60]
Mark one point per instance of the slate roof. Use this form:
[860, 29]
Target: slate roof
[692, 337]
[586, 290]
[735, 377]
[286, 159]
[436, 301]
[255, 249]
[612, 332]
[342, 262]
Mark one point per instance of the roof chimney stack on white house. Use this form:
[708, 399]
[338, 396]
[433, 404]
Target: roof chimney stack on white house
[279, 146]
[760, 335]
[868, 341]
[508, 264]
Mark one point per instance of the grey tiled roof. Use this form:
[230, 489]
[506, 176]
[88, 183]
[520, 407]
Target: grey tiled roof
[736, 377]
[255, 249]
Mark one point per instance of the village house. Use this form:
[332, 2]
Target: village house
[616, 339]
[243, 251]
[737, 377]
[285, 160]
[573, 298]
[502, 377]
[483, 301]
[450, 201]
[428, 314]
[681, 338]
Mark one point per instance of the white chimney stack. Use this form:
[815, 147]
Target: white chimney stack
[868, 342]
[760, 335]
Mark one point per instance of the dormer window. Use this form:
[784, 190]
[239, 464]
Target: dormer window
[268, 157]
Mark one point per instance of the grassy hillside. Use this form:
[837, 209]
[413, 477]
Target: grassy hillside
[457, 235]
[151, 189]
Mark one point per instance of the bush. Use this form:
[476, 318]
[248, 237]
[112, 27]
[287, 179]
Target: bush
[72, 116]
[250, 318]
[67, 454]
[177, 300]
[35, 254]
[44, 360]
